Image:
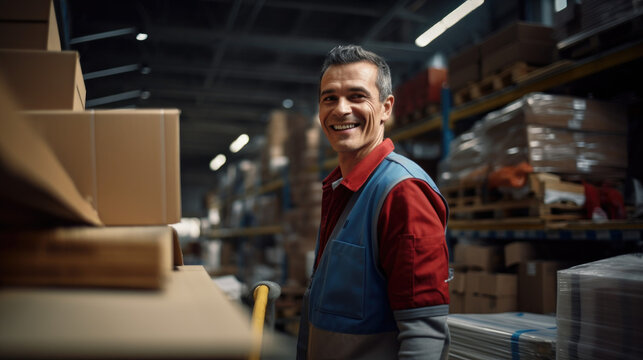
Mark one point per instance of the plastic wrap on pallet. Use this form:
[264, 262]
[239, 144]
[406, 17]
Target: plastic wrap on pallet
[509, 335]
[599, 312]
[553, 133]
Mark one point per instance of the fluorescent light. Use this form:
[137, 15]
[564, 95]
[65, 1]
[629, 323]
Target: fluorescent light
[239, 143]
[217, 162]
[448, 21]
[141, 36]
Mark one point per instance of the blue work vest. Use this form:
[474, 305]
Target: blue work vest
[348, 292]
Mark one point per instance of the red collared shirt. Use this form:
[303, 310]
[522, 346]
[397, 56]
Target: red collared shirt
[413, 251]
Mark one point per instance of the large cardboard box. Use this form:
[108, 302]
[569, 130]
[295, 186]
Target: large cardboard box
[36, 190]
[44, 80]
[28, 24]
[526, 42]
[124, 162]
[191, 318]
[537, 286]
[124, 257]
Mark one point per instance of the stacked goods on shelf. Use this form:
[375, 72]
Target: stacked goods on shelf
[419, 97]
[500, 60]
[573, 138]
[599, 309]
[491, 279]
[273, 158]
[477, 285]
[583, 28]
[302, 219]
[502, 336]
[64, 166]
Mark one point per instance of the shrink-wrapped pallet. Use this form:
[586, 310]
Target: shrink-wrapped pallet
[599, 313]
[575, 137]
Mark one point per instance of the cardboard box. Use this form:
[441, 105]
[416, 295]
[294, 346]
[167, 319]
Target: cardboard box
[485, 304]
[36, 190]
[520, 41]
[190, 319]
[464, 67]
[28, 24]
[479, 257]
[537, 286]
[126, 257]
[498, 284]
[44, 80]
[26, 10]
[124, 162]
[518, 252]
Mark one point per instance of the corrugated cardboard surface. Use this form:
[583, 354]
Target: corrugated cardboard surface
[36, 190]
[537, 286]
[190, 318]
[42, 79]
[126, 162]
[127, 257]
[20, 32]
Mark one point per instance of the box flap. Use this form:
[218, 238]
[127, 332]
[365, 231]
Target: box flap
[36, 189]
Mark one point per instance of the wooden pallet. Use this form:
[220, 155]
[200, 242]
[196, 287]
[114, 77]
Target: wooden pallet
[476, 201]
[504, 78]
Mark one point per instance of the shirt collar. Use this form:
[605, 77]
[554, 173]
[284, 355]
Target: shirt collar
[360, 173]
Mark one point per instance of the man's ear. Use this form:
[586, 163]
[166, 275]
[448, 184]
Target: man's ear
[387, 108]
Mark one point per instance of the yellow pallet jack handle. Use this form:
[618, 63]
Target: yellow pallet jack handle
[265, 293]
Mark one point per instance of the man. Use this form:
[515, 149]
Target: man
[379, 288]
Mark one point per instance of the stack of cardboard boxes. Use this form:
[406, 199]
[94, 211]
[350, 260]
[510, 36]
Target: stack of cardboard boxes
[115, 172]
[419, 96]
[521, 42]
[493, 279]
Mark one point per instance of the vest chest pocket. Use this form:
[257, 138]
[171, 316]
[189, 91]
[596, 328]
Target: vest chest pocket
[342, 289]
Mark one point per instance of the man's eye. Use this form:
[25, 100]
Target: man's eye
[329, 98]
[358, 96]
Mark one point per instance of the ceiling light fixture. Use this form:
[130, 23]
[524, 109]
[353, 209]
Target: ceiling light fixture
[287, 103]
[239, 143]
[141, 36]
[217, 162]
[448, 21]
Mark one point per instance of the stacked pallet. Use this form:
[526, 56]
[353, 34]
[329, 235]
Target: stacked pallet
[500, 60]
[563, 140]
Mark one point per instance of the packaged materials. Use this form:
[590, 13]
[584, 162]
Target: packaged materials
[28, 24]
[599, 309]
[556, 134]
[508, 335]
[42, 79]
[126, 257]
[124, 162]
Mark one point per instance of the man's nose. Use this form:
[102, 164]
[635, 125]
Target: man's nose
[343, 107]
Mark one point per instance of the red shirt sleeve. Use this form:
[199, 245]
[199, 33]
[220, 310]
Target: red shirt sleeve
[413, 249]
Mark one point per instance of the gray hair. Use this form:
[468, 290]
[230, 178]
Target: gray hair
[348, 54]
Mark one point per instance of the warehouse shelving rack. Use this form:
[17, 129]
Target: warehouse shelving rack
[556, 74]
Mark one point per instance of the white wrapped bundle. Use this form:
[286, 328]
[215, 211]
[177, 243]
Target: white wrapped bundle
[512, 335]
[599, 310]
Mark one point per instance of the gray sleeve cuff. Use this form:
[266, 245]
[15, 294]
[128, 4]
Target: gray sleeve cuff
[422, 337]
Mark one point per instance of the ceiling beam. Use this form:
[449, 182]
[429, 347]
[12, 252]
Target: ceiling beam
[299, 45]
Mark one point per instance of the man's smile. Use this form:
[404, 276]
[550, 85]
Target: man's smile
[344, 126]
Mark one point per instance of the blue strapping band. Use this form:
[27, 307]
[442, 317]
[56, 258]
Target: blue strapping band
[515, 337]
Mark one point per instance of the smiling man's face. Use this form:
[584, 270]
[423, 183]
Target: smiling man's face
[351, 113]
